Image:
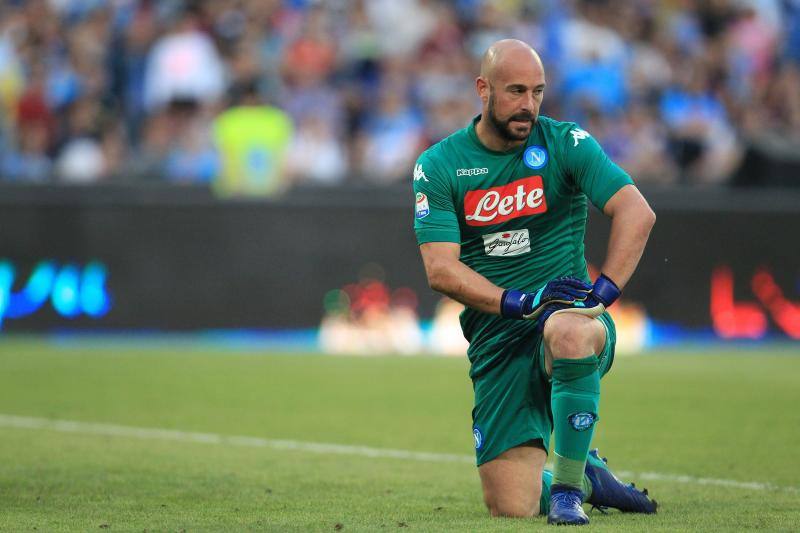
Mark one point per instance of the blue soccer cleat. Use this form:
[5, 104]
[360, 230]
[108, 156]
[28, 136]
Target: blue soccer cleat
[565, 506]
[609, 491]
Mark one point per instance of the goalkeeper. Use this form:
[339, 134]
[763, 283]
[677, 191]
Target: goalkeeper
[500, 217]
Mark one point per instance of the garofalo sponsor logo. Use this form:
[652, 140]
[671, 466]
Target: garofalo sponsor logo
[471, 171]
[499, 204]
[507, 243]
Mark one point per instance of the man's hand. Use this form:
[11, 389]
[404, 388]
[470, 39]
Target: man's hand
[604, 293]
[529, 305]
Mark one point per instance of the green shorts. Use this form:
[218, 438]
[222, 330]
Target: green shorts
[512, 399]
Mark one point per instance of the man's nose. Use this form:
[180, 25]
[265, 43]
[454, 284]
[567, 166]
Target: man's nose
[529, 102]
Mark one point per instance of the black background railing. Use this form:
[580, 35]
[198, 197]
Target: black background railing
[180, 259]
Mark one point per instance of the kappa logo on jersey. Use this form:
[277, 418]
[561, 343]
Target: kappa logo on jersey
[578, 135]
[517, 199]
[507, 243]
[422, 210]
[419, 174]
[535, 157]
[471, 172]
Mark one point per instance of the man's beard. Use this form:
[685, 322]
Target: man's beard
[503, 127]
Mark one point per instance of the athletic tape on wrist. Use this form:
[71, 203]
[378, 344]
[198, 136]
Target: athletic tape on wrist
[512, 303]
[606, 290]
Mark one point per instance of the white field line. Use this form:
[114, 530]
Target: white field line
[112, 430]
[676, 478]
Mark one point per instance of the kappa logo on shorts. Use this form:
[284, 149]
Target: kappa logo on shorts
[478, 436]
[582, 421]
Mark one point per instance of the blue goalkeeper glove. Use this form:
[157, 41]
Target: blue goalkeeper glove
[529, 305]
[604, 293]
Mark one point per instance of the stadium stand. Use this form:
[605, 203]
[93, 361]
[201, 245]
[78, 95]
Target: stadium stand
[678, 92]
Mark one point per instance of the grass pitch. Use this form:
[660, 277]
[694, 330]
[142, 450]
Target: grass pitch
[730, 419]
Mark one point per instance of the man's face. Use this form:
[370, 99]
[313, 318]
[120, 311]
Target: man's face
[514, 127]
[514, 99]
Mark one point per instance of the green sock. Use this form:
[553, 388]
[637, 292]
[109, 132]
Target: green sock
[547, 480]
[544, 499]
[574, 399]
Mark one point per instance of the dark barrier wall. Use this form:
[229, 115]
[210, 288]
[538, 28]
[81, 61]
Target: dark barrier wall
[177, 259]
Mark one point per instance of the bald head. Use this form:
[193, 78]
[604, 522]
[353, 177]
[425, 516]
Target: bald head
[502, 54]
[511, 87]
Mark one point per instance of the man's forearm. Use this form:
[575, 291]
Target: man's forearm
[630, 230]
[461, 283]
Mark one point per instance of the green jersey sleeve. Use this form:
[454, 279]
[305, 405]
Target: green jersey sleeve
[593, 172]
[435, 217]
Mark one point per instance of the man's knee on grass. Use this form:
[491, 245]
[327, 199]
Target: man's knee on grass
[510, 500]
[512, 482]
[507, 508]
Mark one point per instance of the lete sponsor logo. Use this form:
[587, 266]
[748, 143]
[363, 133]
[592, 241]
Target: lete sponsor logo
[492, 206]
[507, 243]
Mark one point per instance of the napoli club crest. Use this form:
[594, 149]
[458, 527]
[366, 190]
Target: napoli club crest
[582, 421]
[535, 157]
[478, 436]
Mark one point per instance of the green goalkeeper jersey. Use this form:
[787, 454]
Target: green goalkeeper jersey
[519, 216]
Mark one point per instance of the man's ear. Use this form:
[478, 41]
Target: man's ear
[482, 87]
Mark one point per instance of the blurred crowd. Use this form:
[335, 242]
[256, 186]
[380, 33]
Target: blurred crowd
[251, 96]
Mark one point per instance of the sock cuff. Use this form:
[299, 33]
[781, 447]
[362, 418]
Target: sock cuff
[568, 472]
[571, 369]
